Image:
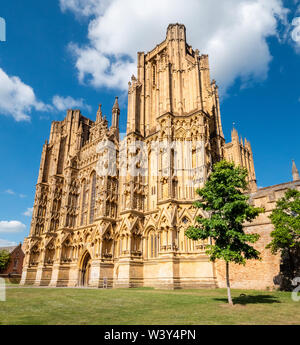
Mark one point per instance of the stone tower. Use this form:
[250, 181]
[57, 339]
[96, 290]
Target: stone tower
[123, 224]
[240, 153]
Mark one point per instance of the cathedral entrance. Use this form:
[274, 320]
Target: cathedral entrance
[84, 276]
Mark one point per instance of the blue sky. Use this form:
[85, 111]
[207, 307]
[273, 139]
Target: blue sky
[71, 53]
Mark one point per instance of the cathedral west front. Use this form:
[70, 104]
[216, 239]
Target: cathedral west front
[111, 212]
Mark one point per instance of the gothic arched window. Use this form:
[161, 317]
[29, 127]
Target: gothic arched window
[154, 74]
[84, 203]
[93, 197]
[153, 245]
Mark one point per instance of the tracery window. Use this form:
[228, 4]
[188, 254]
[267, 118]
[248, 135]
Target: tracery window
[72, 204]
[153, 241]
[93, 197]
[55, 213]
[154, 74]
[84, 205]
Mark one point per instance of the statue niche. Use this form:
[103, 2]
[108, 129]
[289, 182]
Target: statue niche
[50, 253]
[107, 243]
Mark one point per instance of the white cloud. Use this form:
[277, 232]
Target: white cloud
[10, 191]
[233, 32]
[64, 103]
[17, 99]
[84, 8]
[28, 212]
[11, 226]
[5, 243]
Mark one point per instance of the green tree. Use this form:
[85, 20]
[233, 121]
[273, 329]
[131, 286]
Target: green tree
[224, 199]
[4, 259]
[286, 235]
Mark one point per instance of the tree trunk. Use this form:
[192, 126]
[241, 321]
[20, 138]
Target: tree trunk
[292, 266]
[228, 284]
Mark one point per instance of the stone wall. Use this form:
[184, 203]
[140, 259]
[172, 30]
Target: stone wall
[258, 274]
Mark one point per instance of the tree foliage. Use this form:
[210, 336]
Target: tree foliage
[224, 198]
[4, 259]
[286, 236]
[286, 220]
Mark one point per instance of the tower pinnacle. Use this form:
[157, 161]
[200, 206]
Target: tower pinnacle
[99, 114]
[176, 32]
[295, 172]
[115, 114]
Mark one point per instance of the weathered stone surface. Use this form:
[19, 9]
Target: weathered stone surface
[122, 230]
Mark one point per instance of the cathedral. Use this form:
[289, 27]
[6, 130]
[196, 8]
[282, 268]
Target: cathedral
[112, 213]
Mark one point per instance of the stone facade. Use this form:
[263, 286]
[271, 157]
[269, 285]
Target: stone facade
[125, 229]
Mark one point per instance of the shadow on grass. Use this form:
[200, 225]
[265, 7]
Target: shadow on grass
[251, 299]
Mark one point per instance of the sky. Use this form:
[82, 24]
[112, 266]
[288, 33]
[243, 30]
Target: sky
[64, 54]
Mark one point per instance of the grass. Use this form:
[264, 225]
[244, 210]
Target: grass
[145, 306]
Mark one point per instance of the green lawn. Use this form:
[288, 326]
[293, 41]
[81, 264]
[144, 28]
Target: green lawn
[61, 306]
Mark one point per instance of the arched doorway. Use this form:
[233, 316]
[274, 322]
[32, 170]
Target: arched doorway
[85, 269]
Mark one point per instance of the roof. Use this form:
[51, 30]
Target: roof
[282, 186]
[10, 249]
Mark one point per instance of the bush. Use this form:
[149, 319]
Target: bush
[4, 259]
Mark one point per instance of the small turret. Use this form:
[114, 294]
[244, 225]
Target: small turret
[295, 172]
[248, 145]
[115, 114]
[99, 114]
[234, 134]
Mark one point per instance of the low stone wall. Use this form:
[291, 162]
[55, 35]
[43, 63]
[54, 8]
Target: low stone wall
[11, 278]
